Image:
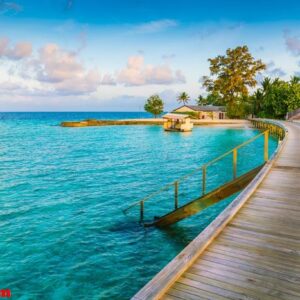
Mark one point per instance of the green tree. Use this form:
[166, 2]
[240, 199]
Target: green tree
[183, 98]
[210, 99]
[154, 105]
[276, 97]
[293, 101]
[256, 101]
[201, 101]
[231, 76]
[215, 99]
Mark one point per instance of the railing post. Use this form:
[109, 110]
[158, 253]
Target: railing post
[176, 194]
[141, 211]
[234, 162]
[203, 180]
[266, 146]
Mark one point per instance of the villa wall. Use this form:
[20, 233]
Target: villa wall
[215, 115]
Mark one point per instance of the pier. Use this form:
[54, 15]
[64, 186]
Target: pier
[252, 249]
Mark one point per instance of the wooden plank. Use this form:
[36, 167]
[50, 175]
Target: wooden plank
[257, 255]
[235, 282]
[213, 288]
[259, 236]
[277, 269]
[275, 246]
[269, 218]
[258, 203]
[178, 294]
[280, 230]
[265, 271]
[252, 247]
[232, 291]
[257, 279]
[195, 291]
[169, 296]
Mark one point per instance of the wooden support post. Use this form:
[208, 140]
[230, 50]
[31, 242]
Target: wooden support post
[203, 180]
[266, 146]
[176, 194]
[234, 162]
[141, 211]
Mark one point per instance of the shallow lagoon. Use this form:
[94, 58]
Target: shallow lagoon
[62, 190]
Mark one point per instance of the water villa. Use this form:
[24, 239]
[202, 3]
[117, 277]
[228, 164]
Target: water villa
[177, 122]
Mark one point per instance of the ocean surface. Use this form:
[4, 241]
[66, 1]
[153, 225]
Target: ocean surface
[63, 234]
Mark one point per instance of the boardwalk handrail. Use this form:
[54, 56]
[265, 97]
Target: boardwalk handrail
[204, 167]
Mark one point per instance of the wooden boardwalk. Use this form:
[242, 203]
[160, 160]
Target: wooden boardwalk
[257, 255]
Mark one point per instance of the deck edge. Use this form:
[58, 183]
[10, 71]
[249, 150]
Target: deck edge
[162, 281]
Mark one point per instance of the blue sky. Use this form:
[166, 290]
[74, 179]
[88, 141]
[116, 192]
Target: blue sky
[111, 55]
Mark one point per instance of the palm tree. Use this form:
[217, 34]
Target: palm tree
[266, 84]
[295, 80]
[183, 98]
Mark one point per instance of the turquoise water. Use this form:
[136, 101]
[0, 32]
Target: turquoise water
[62, 231]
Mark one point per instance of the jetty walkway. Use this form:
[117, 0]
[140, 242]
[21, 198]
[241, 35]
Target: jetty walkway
[252, 249]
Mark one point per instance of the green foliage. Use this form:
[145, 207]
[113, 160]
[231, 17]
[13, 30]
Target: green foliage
[154, 105]
[231, 76]
[202, 101]
[183, 98]
[210, 99]
[240, 110]
[276, 97]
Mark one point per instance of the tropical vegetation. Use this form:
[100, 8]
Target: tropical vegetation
[183, 98]
[232, 82]
[154, 105]
[275, 98]
[231, 77]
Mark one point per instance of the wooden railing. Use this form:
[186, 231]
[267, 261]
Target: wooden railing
[270, 128]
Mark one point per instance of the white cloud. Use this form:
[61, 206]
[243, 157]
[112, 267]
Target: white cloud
[138, 73]
[57, 65]
[155, 26]
[62, 71]
[18, 51]
[21, 50]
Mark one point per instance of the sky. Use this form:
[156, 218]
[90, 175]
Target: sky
[111, 55]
